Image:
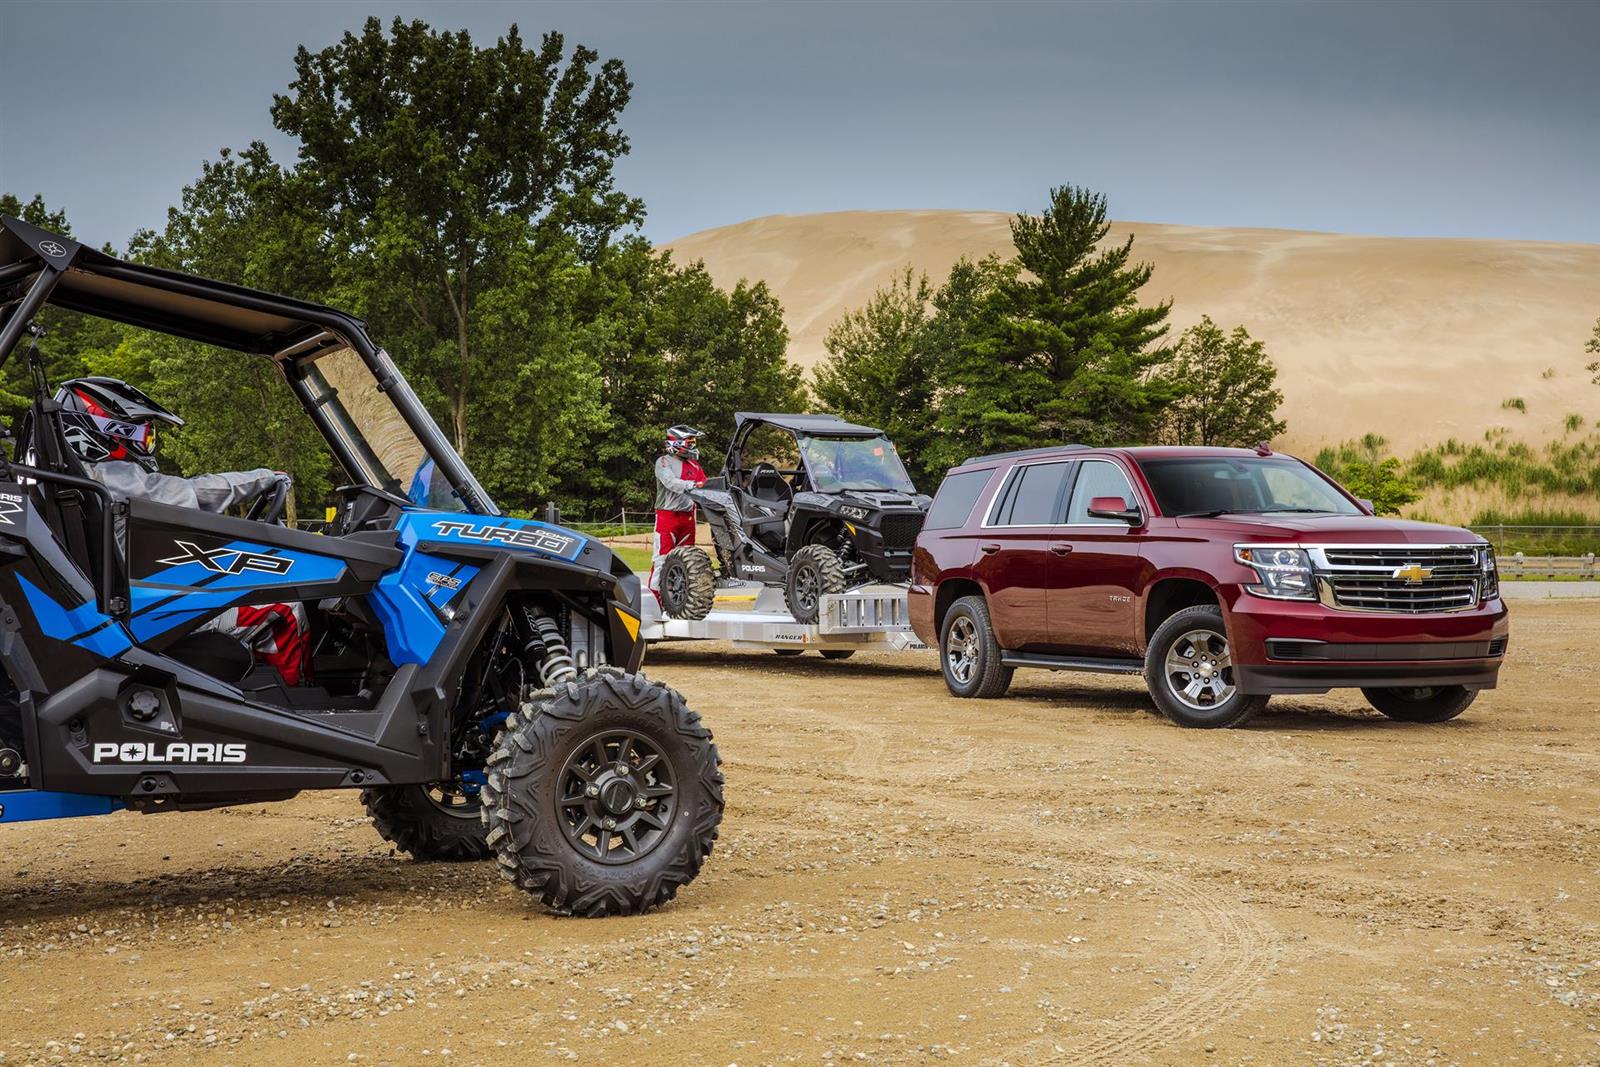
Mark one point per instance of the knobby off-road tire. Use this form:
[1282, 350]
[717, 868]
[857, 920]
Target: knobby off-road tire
[814, 572]
[546, 828]
[414, 821]
[688, 586]
[969, 654]
[1189, 670]
[1422, 703]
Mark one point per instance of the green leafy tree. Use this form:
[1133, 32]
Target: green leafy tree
[673, 347]
[437, 165]
[243, 221]
[1052, 346]
[879, 368]
[1367, 472]
[1227, 389]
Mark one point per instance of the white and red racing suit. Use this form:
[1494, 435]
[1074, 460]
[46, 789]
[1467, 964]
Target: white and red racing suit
[675, 476]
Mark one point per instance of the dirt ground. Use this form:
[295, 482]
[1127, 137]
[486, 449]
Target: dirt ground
[1055, 878]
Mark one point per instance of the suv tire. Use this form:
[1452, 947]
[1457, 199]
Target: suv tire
[815, 571]
[969, 655]
[688, 588]
[1438, 703]
[1190, 675]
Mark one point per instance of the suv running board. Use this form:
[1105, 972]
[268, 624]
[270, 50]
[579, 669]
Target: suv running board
[1101, 665]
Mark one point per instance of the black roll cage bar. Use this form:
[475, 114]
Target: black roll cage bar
[50, 258]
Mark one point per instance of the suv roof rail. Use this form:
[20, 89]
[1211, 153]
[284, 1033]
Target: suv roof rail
[1046, 450]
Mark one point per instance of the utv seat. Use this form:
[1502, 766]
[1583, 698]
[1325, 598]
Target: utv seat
[772, 495]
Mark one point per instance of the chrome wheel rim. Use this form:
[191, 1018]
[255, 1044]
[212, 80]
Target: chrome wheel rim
[961, 650]
[1199, 670]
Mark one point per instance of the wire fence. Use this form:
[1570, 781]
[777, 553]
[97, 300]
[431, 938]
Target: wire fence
[1541, 540]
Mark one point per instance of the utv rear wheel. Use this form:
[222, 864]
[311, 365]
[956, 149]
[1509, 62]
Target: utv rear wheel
[688, 587]
[604, 795]
[430, 822]
[815, 571]
[1189, 670]
[969, 652]
[1438, 703]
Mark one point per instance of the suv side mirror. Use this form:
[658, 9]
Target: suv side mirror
[1114, 507]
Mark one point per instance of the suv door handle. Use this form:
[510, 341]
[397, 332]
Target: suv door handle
[1061, 550]
[989, 549]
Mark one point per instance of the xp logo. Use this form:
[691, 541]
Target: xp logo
[227, 560]
[53, 249]
[437, 579]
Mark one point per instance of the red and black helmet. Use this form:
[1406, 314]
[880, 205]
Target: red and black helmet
[104, 419]
[683, 441]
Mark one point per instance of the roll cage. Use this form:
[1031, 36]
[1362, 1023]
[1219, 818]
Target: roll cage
[738, 472]
[39, 268]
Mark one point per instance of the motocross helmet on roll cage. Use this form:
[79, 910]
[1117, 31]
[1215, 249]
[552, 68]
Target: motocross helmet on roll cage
[683, 440]
[107, 419]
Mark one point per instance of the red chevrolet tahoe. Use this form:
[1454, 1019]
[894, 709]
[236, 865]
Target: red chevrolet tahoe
[1222, 575]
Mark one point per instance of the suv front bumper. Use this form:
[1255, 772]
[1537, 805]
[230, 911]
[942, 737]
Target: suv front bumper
[1291, 646]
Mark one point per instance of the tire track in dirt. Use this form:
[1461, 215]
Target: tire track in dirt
[1239, 949]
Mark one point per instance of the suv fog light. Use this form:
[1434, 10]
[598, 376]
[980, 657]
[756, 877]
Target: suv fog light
[1285, 573]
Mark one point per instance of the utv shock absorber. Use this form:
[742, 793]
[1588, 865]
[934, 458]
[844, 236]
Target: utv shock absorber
[557, 665]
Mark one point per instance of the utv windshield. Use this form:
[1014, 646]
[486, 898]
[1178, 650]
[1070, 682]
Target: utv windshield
[1226, 485]
[367, 419]
[839, 463]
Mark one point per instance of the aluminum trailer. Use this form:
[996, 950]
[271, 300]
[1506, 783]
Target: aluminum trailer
[871, 618]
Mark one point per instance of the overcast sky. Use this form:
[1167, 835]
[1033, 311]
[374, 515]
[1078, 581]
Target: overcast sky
[1463, 119]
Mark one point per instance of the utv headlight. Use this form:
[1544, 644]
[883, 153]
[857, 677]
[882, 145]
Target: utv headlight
[1285, 573]
[1489, 577]
[850, 511]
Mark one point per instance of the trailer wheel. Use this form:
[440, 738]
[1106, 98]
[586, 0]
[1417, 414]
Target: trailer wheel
[788, 651]
[838, 653]
[815, 571]
[688, 588]
[604, 795]
[437, 822]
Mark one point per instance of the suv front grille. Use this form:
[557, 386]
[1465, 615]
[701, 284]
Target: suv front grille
[1416, 580]
[900, 530]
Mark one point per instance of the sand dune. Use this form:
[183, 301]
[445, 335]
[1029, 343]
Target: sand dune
[1417, 339]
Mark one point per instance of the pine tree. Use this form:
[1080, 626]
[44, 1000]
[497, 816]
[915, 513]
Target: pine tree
[1052, 346]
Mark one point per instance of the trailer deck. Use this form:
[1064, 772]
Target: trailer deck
[753, 616]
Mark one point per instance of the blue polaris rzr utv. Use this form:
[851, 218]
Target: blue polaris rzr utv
[476, 675]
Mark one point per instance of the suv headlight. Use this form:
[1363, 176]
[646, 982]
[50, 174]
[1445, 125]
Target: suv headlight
[1285, 573]
[1490, 576]
[850, 511]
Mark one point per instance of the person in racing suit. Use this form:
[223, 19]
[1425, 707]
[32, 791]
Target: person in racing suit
[677, 471]
[111, 425]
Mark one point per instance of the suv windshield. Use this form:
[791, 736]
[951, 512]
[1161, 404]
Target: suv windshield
[367, 419]
[840, 463]
[1214, 485]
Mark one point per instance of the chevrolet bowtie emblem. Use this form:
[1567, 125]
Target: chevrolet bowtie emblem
[1413, 573]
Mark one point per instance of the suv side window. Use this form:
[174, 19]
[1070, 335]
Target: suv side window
[1097, 477]
[1032, 496]
[953, 503]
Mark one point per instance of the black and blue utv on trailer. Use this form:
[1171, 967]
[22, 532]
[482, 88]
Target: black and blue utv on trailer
[476, 675]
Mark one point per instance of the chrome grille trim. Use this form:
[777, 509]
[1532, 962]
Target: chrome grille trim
[1362, 577]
